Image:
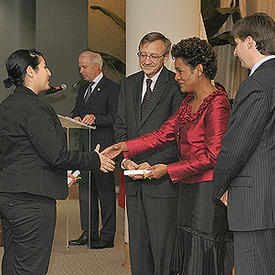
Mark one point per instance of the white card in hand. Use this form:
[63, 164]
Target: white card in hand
[135, 172]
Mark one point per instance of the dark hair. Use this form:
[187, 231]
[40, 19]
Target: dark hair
[154, 36]
[194, 51]
[17, 64]
[261, 28]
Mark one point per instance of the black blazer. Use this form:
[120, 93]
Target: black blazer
[164, 101]
[33, 149]
[246, 163]
[103, 104]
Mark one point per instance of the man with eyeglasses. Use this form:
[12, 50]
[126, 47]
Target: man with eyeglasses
[146, 100]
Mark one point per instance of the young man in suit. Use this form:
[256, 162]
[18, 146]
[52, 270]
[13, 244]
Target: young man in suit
[146, 100]
[96, 104]
[246, 163]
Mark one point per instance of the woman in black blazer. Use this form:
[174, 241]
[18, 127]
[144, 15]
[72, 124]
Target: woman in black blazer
[33, 163]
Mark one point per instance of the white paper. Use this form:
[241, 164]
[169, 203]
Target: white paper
[72, 177]
[135, 172]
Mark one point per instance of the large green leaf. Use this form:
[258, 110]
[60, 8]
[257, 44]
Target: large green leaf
[114, 64]
[217, 19]
[214, 17]
[222, 39]
[118, 21]
[208, 7]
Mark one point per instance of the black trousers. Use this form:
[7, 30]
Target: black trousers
[106, 198]
[102, 193]
[152, 232]
[254, 252]
[28, 223]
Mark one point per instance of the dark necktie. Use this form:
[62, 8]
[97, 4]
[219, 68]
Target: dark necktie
[89, 91]
[146, 96]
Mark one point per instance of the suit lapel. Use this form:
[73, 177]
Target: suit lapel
[156, 95]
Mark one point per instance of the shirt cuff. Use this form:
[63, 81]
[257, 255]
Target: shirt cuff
[122, 164]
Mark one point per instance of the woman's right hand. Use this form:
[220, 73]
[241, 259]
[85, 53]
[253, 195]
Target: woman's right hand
[114, 150]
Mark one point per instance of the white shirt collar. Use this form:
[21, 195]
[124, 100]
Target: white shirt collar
[154, 80]
[259, 63]
[98, 78]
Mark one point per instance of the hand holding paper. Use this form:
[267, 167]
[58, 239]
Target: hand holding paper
[129, 164]
[157, 171]
[72, 177]
[143, 173]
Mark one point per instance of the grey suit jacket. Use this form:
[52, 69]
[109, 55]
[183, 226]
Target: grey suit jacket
[246, 163]
[164, 101]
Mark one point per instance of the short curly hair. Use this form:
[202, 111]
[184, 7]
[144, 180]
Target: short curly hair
[194, 51]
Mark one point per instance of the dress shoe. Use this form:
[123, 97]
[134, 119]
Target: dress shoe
[101, 244]
[82, 240]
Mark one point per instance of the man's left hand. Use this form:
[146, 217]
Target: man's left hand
[88, 119]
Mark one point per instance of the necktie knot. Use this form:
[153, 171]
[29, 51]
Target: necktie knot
[91, 85]
[148, 83]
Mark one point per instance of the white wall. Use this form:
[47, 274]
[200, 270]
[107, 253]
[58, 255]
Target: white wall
[176, 19]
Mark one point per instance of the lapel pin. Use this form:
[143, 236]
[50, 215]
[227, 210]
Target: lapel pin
[98, 89]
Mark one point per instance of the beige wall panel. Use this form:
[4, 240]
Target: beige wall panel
[176, 19]
[103, 34]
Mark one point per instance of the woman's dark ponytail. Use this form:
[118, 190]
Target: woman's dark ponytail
[8, 82]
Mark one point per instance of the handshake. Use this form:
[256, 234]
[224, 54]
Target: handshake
[106, 156]
[133, 170]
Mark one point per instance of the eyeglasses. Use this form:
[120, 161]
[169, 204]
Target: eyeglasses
[153, 57]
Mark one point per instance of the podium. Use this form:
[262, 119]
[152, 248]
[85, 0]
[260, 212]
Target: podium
[69, 124]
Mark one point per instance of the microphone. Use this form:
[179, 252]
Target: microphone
[53, 90]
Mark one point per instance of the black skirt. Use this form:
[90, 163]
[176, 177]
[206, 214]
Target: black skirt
[204, 245]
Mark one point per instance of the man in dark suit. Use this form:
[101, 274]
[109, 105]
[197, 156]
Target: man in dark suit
[146, 100]
[96, 104]
[246, 163]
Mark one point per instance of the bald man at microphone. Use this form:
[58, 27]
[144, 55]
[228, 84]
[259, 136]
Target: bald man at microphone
[96, 104]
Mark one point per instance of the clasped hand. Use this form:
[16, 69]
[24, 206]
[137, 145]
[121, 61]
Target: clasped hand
[106, 164]
[114, 150]
[156, 171]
